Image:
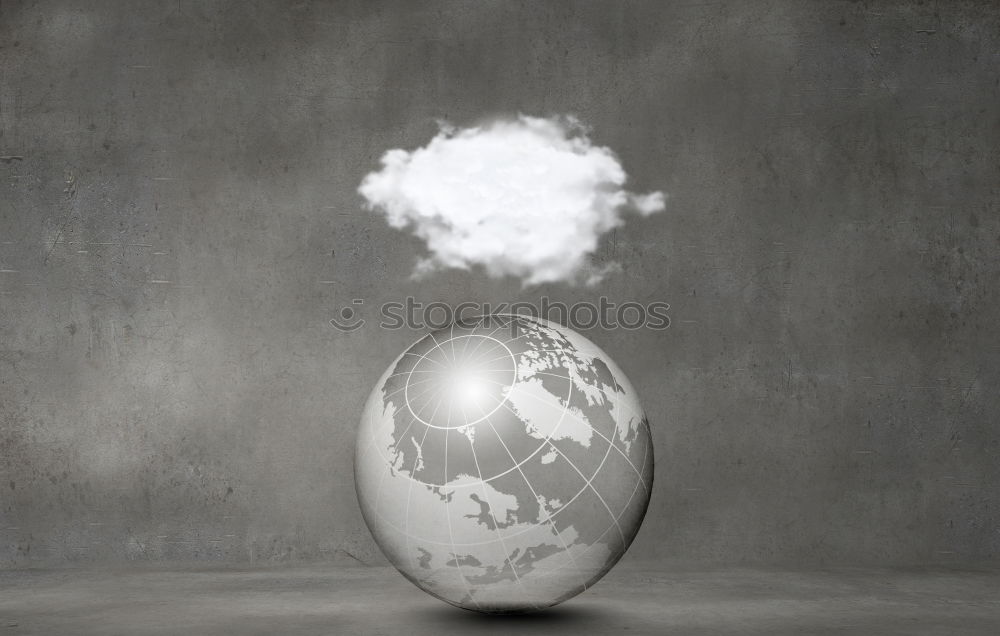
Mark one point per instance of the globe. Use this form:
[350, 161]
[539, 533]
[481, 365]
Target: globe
[503, 464]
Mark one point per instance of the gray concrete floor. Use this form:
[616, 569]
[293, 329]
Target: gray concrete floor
[362, 600]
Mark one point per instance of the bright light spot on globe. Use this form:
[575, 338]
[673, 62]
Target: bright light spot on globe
[470, 391]
[505, 465]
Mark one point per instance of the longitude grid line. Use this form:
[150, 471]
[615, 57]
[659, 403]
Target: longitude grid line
[447, 504]
[541, 446]
[408, 373]
[371, 442]
[406, 386]
[384, 397]
[465, 345]
[599, 466]
[589, 484]
[378, 493]
[609, 441]
[378, 516]
[438, 348]
[407, 399]
[481, 338]
[421, 355]
[563, 350]
[517, 534]
[414, 418]
[635, 489]
[451, 340]
[532, 454]
[483, 320]
[507, 555]
[519, 318]
[369, 429]
[482, 482]
[544, 443]
[403, 437]
[588, 425]
[527, 482]
[480, 363]
[615, 520]
[544, 573]
[640, 480]
[413, 370]
[409, 492]
[403, 388]
[512, 318]
[633, 412]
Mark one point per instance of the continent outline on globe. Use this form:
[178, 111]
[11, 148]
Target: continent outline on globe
[503, 463]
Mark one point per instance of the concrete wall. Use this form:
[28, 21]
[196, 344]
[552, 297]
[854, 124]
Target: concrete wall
[178, 223]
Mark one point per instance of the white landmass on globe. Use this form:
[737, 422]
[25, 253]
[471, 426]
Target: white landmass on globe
[545, 416]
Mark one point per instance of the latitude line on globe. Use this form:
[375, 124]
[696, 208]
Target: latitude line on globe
[562, 351]
[588, 481]
[548, 572]
[589, 484]
[588, 549]
[619, 405]
[496, 527]
[596, 472]
[547, 441]
[409, 492]
[549, 517]
[447, 505]
[438, 346]
[594, 429]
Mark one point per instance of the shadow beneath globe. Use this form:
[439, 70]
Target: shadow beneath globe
[571, 617]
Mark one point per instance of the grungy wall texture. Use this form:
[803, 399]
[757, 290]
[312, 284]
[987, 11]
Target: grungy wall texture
[179, 221]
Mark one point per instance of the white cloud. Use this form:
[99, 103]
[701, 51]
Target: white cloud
[527, 197]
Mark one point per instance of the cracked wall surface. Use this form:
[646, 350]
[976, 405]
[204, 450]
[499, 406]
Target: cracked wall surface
[179, 222]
